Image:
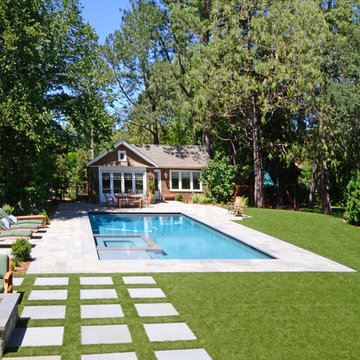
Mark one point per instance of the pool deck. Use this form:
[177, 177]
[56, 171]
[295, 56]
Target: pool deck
[68, 246]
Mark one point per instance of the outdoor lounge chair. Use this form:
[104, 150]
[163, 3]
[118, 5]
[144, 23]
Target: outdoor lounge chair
[7, 285]
[6, 226]
[235, 203]
[239, 206]
[27, 219]
[13, 235]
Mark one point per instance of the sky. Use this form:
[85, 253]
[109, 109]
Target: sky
[103, 15]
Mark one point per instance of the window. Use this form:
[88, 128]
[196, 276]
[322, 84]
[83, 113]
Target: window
[128, 182]
[185, 180]
[106, 183]
[117, 183]
[121, 155]
[139, 183]
[174, 180]
[196, 180]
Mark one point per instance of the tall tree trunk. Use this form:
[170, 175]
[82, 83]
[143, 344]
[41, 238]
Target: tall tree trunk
[232, 151]
[324, 175]
[92, 146]
[195, 138]
[258, 162]
[206, 139]
[156, 133]
[325, 189]
[314, 177]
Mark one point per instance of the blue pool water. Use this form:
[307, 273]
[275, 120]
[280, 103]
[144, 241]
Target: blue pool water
[179, 236]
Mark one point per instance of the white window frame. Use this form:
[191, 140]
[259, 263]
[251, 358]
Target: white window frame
[122, 170]
[180, 181]
[120, 153]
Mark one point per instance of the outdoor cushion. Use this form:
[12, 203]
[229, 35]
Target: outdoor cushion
[4, 259]
[24, 226]
[4, 234]
[13, 218]
[30, 221]
[5, 224]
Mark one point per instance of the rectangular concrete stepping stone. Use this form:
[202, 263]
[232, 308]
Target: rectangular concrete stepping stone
[113, 356]
[51, 281]
[44, 312]
[101, 311]
[48, 295]
[96, 280]
[98, 294]
[105, 334]
[131, 280]
[56, 357]
[161, 309]
[146, 293]
[37, 336]
[17, 281]
[187, 354]
[169, 332]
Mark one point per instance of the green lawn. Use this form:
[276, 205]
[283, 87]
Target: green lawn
[248, 315]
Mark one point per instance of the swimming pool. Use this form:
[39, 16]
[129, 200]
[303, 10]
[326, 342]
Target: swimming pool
[164, 236]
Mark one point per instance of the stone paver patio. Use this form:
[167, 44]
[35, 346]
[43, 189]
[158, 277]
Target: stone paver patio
[146, 293]
[187, 354]
[48, 295]
[37, 336]
[44, 312]
[159, 309]
[101, 311]
[114, 356]
[68, 246]
[98, 294]
[168, 332]
[105, 334]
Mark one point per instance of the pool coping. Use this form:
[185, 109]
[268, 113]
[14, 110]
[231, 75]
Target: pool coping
[68, 246]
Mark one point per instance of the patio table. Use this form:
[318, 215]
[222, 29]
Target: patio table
[129, 199]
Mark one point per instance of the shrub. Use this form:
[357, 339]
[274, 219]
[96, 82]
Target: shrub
[218, 176]
[44, 213]
[195, 198]
[8, 208]
[352, 198]
[204, 200]
[179, 197]
[21, 250]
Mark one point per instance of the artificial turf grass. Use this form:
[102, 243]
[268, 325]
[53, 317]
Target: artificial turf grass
[325, 235]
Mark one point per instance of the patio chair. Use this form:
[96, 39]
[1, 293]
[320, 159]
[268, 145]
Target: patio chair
[5, 275]
[239, 206]
[27, 219]
[146, 200]
[110, 200]
[236, 202]
[6, 226]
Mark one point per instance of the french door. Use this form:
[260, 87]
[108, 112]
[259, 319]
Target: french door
[113, 181]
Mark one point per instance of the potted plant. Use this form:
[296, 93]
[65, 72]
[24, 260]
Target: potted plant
[152, 190]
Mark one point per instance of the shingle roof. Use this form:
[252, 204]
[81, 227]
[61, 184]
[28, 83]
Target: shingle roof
[182, 156]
